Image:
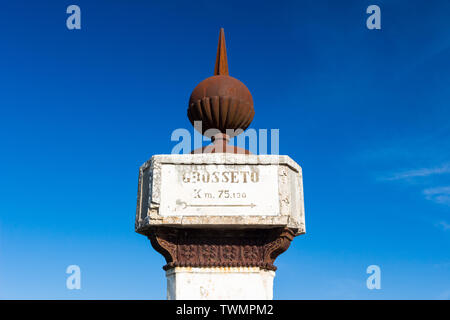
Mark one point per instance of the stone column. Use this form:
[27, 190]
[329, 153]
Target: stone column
[219, 283]
[220, 221]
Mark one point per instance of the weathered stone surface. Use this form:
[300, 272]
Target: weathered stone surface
[184, 283]
[220, 190]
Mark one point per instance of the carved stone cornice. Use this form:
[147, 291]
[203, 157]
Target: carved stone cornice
[220, 247]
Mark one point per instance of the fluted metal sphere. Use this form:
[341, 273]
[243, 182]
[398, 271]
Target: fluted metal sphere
[221, 102]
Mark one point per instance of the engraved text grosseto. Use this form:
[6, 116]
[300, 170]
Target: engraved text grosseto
[221, 177]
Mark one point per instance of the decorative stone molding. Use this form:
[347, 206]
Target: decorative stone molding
[220, 247]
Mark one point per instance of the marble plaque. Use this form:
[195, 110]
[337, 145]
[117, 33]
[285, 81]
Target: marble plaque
[220, 190]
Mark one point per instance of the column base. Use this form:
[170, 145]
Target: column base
[219, 283]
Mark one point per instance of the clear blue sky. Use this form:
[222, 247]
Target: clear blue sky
[364, 112]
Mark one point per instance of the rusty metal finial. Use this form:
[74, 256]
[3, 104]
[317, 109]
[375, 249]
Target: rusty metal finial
[221, 67]
[222, 103]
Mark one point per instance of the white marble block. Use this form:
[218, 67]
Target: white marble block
[220, 190]
[243, 283]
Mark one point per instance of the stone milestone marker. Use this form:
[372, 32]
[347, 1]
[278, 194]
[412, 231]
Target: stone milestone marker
[220, 216]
